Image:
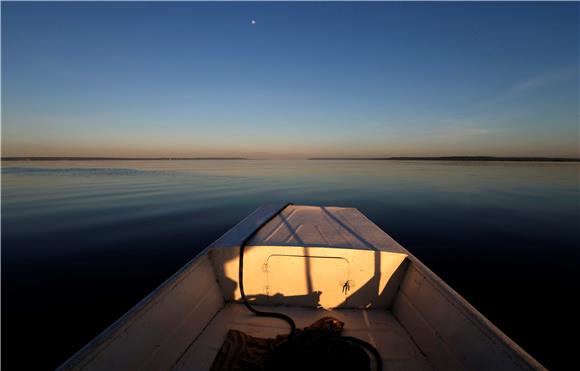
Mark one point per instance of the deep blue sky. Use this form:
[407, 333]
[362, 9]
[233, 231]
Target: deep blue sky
[308, 79]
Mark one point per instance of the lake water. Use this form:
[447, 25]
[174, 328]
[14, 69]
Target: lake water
[82, 242]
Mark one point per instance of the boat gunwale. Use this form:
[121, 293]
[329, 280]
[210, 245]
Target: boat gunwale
[93, 348]
[469, 311]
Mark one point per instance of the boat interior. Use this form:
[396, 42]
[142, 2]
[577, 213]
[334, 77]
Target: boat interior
[307, 262]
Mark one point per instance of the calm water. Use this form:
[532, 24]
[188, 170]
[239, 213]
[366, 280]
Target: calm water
[82, 242]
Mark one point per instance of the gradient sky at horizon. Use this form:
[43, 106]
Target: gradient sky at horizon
[308, 79]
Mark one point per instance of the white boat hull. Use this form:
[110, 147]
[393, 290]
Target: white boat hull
[308, 262]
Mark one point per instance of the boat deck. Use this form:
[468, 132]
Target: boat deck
[377, 327]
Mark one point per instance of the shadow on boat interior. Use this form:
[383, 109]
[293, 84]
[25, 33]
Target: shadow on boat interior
[300, 267]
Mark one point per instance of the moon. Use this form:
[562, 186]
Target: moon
[253, 22]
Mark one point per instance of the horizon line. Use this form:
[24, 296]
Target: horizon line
[454, 158]
[373, 158]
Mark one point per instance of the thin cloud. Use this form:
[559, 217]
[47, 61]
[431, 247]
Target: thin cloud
[520, 88]
[544, 80]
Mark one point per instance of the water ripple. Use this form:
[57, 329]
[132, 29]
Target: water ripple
[87, 171]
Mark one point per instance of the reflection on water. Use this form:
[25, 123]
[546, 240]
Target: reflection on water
[84, 241]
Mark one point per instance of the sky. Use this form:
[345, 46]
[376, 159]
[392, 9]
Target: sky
[307, 79]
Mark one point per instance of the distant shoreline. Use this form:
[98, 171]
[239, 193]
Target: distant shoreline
[117, 158]
[419, 158]
[453, 158]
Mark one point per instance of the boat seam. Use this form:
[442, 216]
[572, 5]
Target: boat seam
[198, 336]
